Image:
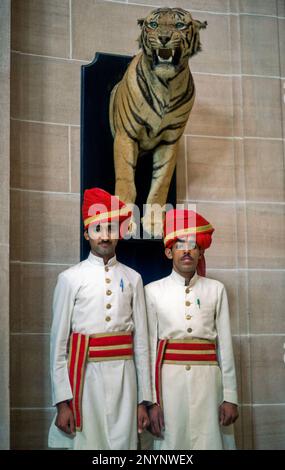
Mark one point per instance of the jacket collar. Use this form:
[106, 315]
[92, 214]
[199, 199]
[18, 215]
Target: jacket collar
[181, 280]
[97, 261]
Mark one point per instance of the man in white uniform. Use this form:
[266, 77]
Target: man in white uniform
[193, 372]
[99, 345]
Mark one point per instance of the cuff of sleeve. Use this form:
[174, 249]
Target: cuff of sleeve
[146, 403]
[59, 397]
[144, 396]
[231, 396]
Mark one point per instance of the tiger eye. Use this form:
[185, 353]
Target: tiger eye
[153, 24]
[180, 25]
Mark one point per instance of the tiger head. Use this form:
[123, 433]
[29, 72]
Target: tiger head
[169, 36]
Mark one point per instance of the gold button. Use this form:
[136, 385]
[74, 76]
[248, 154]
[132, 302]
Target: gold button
[187, 303]
[108, 318]
[187, 290]
[108, 306]
[188, 367]
[188, 317]
[108, 280]
[109, 292]
[189, 330]
[106, 269]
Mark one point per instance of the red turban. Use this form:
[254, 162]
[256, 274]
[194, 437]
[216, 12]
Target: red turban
[100, 206]
[179, 222]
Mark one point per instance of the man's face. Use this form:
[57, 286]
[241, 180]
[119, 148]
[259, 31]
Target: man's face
[185, 254]
[103, 238]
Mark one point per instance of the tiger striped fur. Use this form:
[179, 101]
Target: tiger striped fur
[150, 106]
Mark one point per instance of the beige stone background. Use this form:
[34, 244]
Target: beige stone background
[231, 164]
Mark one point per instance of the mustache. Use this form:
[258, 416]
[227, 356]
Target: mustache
[187, 256]
[105, 242]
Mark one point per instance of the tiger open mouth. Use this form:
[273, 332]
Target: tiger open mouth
[166, 56]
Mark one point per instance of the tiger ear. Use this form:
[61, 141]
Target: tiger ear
[141, 22]
[197, 44]
[200, 24]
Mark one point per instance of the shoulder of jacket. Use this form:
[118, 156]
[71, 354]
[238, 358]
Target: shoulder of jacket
[154, 285]
[130, 272]
[212, 282]
[71, 274]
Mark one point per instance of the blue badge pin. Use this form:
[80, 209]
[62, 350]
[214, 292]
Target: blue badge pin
[122, 285]
[198, 302]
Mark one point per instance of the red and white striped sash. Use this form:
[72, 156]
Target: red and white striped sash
[187, 351]
[93, 348]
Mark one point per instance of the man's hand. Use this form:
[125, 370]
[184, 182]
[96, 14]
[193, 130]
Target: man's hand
[228, 413]
[143, 420]
[156, 420]
[65, 420]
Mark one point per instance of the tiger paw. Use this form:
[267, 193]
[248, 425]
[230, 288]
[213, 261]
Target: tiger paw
[153, 223]
[132, 229]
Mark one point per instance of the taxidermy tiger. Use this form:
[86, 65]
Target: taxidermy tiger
[150, 106]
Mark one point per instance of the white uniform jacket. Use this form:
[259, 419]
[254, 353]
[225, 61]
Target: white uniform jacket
[93, 298]
[192, 394]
